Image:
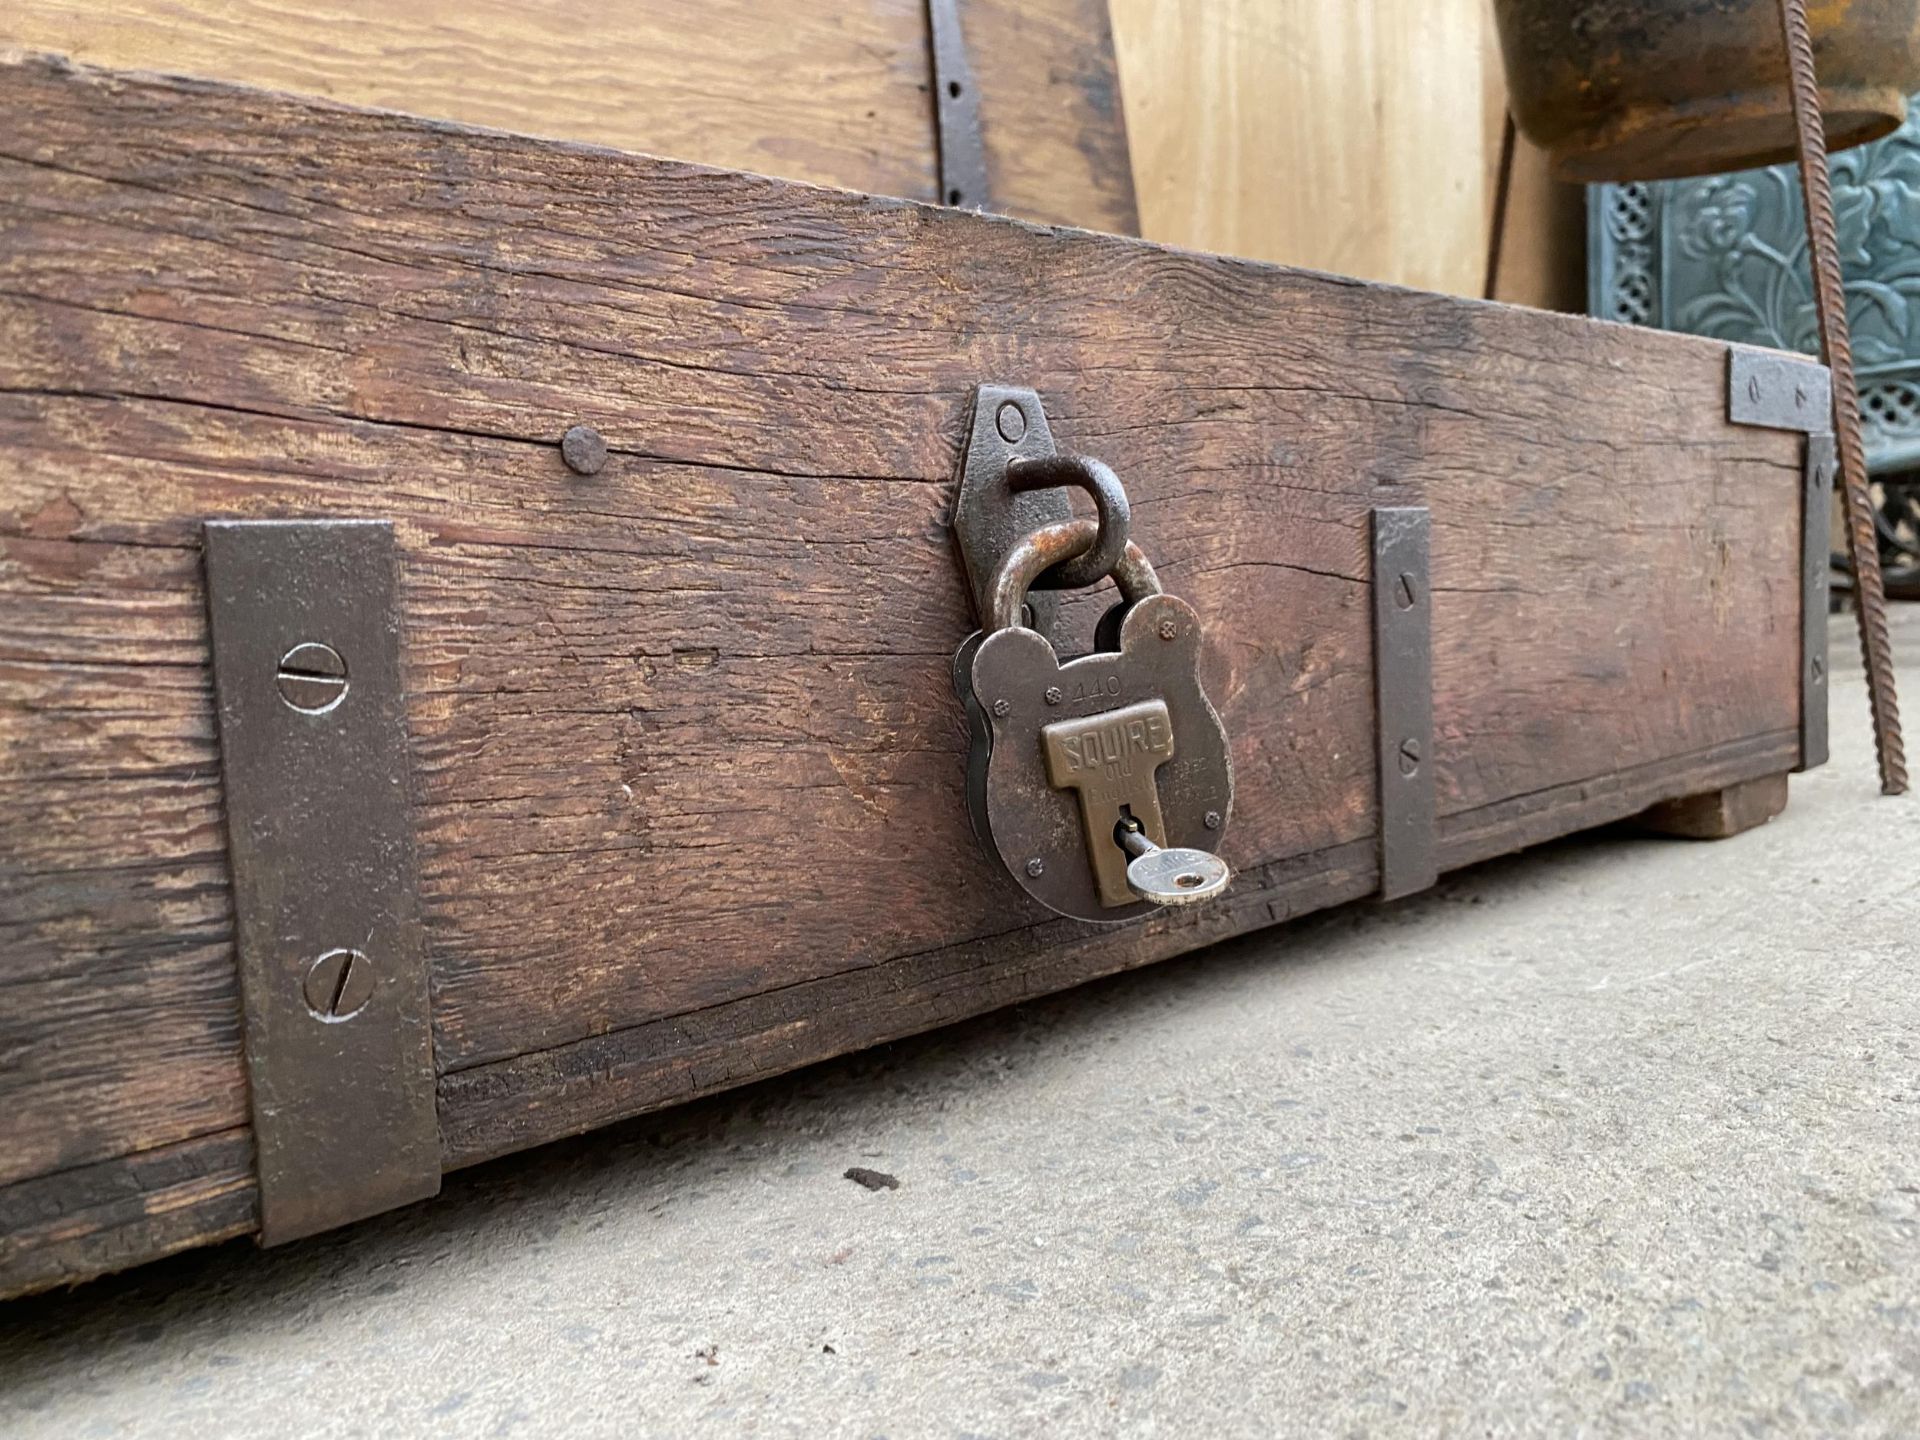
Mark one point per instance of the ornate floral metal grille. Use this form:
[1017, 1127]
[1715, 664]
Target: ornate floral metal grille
[1726, 255]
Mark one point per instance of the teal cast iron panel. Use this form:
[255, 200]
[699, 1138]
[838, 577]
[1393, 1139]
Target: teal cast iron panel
[1726, 255]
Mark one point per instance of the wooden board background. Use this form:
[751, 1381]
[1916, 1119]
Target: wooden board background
[826, 91]
[633, 699]
[1361, 138]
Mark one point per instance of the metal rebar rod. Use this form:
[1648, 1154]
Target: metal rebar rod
[1830, 301]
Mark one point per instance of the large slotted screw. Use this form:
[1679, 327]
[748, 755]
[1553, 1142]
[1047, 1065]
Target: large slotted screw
[312, 677]
[338, 985]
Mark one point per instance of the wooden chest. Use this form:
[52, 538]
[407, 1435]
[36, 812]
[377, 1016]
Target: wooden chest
[673, 770]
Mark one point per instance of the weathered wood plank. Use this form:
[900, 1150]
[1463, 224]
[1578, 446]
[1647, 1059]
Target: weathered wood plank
[493, 1109]
[74, 1224]
[1722, 813]
[633, 697]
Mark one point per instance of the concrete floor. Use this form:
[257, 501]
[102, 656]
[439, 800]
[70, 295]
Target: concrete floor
[1621, 1137]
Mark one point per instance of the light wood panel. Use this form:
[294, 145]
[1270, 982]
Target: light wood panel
[1360, 138]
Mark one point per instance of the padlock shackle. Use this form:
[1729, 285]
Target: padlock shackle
[1051, 545]
[1096, 478]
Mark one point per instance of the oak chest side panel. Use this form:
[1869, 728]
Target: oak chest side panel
[631, 695]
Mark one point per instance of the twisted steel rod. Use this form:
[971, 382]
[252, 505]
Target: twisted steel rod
[1869, 598]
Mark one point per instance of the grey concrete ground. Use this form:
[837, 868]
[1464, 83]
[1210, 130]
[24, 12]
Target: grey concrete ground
[1618, 1138]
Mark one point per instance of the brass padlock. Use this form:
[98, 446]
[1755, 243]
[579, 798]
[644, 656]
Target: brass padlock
[1103, 782]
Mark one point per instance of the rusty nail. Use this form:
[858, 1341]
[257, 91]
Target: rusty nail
[584, 450]
[1002, 707]
[1054, 697]
[339, 984]
[1011, 421]
[1036, 867]
[312, 678]
[1213, 820]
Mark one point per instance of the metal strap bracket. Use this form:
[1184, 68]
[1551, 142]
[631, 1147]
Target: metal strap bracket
[333, 980]
[1783, 392]
[1403, 689]
[956, 102]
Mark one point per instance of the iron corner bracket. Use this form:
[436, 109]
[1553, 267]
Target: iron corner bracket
[333, 979]
[1774, 391]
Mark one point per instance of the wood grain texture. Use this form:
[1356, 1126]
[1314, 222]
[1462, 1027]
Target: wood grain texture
[1354, 138]
[1361, 138]
[1051, 114]
[72, 1225]
[816, 90]
[633, 698]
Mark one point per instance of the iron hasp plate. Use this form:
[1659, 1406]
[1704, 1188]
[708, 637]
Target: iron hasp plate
[313, 749]
[1007, 423]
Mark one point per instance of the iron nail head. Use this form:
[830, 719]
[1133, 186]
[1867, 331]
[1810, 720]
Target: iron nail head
[584, 450]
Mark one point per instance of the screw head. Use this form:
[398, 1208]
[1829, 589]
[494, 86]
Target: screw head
[1214, 820]
[584, 450]
[1003, 706]
[1036, 867]
[1819, 669]
[1169, 630]
[311, 678]
[1011, 421]
[1054, 695]
[338, 985]
[1409, 757]
[1404, 594]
